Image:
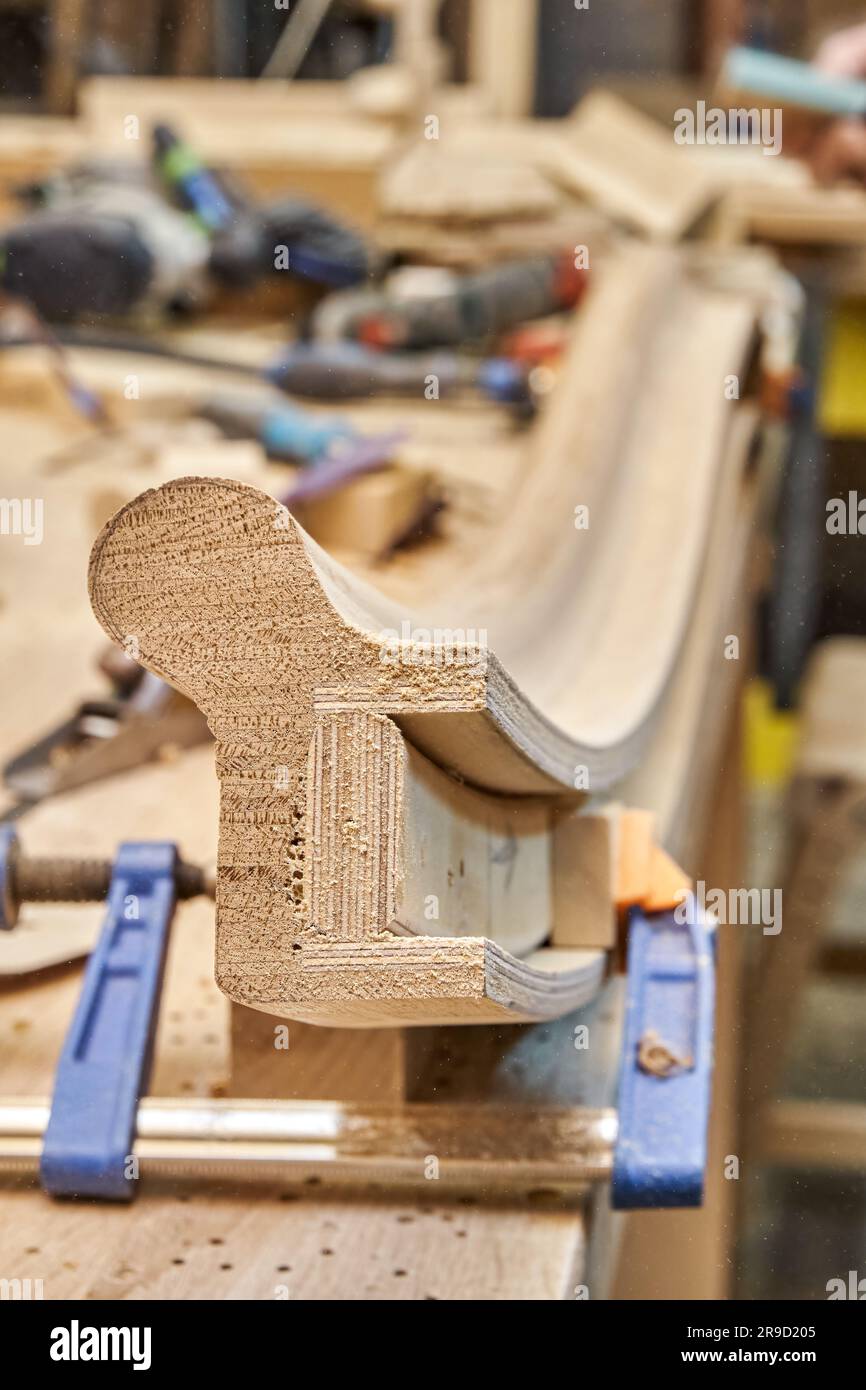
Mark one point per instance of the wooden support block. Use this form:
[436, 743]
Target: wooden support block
[370, 514]
[280, 1060]
[603, 864]
[447, 830]
[585, 859]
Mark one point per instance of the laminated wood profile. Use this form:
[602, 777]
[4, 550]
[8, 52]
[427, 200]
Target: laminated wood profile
[390, 796]
[335, 834]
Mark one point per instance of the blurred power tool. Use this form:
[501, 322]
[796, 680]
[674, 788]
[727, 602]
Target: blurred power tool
[538, 343]
[463, 309]
[101, 246]
[318, 247]
[251, 242]
[350, 371]
[110, 239]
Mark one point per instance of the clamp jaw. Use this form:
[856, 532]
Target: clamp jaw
[665, 1088]
[105, 1064]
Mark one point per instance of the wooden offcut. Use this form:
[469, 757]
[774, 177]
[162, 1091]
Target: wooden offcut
[629, 165]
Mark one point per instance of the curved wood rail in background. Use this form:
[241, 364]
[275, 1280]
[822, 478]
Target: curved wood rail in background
[391, 810]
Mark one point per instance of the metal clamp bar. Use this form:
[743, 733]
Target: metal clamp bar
[463, 1147]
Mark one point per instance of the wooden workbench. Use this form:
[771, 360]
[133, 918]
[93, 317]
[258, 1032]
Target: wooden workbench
[191, 1243]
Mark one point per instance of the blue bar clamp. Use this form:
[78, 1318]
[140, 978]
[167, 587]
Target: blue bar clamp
[104, 1068]
[105, 1065]
[665, 1083]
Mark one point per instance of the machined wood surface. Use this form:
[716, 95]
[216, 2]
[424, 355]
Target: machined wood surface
[347, 726]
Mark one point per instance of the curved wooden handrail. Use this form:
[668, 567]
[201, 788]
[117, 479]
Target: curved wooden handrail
[338, 741]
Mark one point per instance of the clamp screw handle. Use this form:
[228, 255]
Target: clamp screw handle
[56, 879]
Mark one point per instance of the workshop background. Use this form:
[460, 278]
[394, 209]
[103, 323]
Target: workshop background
[122, 343]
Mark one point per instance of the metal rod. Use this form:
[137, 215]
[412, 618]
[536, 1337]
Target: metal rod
[469, 1147]
[65, 880]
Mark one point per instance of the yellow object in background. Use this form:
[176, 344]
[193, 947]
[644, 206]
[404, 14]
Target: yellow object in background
[842, 395]
[770, 737]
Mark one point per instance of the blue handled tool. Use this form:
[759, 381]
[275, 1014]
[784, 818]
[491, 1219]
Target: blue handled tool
[791, 82]
[285, 432]
[331, 450]
[197, 187]
[105, 1064]
[665, 1085]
